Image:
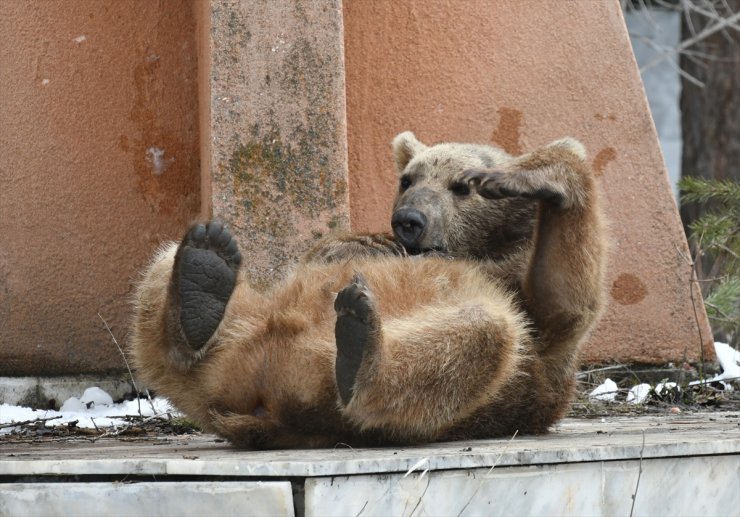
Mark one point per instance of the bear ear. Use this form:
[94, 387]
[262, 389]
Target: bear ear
[405, 147]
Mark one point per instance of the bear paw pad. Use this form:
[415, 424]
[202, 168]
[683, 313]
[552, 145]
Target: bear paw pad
[205, 278]
[355, 331]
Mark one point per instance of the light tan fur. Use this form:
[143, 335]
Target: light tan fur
[477, 337]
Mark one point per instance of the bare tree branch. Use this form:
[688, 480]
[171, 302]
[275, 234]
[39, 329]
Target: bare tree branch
[721, 24]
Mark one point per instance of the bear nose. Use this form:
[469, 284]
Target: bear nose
[408, 224]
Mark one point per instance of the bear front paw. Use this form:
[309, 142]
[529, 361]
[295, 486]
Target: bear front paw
[492, 184]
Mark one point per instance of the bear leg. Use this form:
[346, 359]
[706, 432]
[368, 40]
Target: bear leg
[357, 330]
[203, 279]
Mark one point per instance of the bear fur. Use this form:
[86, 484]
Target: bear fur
[466, 323]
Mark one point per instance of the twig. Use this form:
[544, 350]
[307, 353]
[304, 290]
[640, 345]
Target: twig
[663, 49]
[585, 373]
[27, 422]
[721, 24]
[498, 458]
[416, 466]
[131, 375]
[127, 426]
[694, 282]
[639, 475]
[723, 317]
[363, 508]
[711, 15]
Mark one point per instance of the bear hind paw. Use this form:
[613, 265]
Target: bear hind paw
[205, 277]
[356, 331]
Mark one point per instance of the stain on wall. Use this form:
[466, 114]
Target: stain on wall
[98, 162]
[602, 159]
[507, 134]
[628, 289]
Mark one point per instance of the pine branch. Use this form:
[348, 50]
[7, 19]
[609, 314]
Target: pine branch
[698, 190]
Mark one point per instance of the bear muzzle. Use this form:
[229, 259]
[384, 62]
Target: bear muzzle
[408, 225]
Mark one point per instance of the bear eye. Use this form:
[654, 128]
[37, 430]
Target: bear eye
[405, 183]
[460, 189]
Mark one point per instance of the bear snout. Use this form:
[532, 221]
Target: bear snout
[409, 224]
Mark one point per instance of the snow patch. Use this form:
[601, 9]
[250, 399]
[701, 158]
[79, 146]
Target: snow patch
[95, 408]
[729, 360]
[638, 394]
[606, 391]
[666, 387]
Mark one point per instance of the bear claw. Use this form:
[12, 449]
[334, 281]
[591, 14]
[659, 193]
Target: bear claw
[492, 184]
[354, 331]
[205, 277]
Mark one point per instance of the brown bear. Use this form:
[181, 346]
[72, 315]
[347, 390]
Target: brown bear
[465, 323]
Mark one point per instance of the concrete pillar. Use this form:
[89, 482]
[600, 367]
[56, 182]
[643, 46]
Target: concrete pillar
[275, 160]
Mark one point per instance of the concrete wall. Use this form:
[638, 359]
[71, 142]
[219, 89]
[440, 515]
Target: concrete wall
[103, 103]
[518, 75]
[98, 163]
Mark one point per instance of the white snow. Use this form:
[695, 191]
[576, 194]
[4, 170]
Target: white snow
[606, 391]
[667, 386]
[94, 408]
[728, 357]
[638, 394]
[729, 360]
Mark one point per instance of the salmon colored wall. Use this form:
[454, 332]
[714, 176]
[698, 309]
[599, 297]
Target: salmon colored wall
[98, 164]
[518, 75]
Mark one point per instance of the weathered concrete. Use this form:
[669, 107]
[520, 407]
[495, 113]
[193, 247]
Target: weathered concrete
[51, 392]
[584, 467]
[572, 441]
[278, 161]
[151, 499]
[667, 487]
[518, 75]
[98, 165]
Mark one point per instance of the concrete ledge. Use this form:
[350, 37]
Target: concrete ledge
[593, 488]
[152, 499]
[686, 464]
[574, 441]
[51, 392]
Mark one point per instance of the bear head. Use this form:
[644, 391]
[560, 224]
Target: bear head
[434, 212]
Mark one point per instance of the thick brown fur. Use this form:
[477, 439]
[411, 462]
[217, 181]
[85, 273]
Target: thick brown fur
[476, 336]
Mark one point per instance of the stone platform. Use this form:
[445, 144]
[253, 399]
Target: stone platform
[687, 464]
